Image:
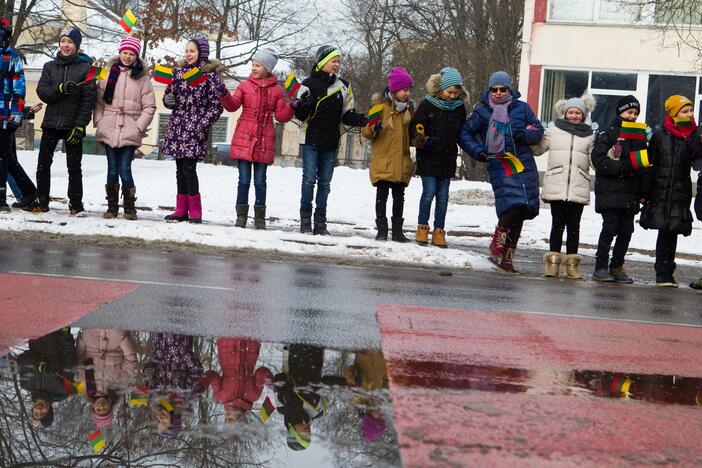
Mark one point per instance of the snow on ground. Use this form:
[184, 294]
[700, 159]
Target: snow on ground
[471, 216]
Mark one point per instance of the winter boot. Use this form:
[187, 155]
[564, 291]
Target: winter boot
[552, 264]
[112, 192]
[397, 234]
[572, 263]
[423, 234]
[438, 238]
[497, 246]
[194, 209]
[666, 281]
[242, 214]
[4, 207]
[181, 211]
[28, 203]
[76, 210]
[664, 274]
[507, 261]
[305, 222]
[620, 276]
[260, 217]
[602, 275]
[382, 225]
[320, 223]
[697, 284]
[42, 205]
[128, 200]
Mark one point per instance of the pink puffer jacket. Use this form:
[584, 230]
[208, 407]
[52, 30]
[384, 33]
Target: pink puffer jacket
[113, 354]
[261, 100]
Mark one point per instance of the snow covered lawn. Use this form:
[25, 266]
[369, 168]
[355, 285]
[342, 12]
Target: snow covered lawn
[469, 222]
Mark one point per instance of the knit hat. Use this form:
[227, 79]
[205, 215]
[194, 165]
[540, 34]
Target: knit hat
[203, 48]
[73, 34]
[325, 54]
[102, 421]
[371, 428]
[131, 44]
[627, 102]
[267, 57]
[399, 79]
[500, 78]
[576, 102]
[450, 77]
[676, 102]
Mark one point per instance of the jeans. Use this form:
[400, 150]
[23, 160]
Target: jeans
[74, 155]
[619, 223]
[566, 215]
[16, 191]
[434, 187]
[259, 176]
[119, 165]
[186, 176]
[317, 167]
[666, 245]
[383, 188]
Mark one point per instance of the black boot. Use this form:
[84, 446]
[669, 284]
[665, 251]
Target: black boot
[320, 223]
[128, 199]
[382, 225]
[4, 208]
[42, 205]
[112, 197]
[397, 234]
[305, 222]
[242, 214]
[260, 217]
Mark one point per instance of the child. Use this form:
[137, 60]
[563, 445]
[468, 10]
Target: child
[502, 125]
[434, 131]
[391, 166]
[253, 145]
[124, 109]
[668, 185]
[567, 180]
[195, 111]
[617, 188]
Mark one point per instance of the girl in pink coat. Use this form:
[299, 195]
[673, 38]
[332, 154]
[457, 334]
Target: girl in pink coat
[124, 108]
[253, 145]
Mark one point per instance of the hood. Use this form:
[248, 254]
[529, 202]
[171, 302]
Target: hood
[212, 65]
[265, 82]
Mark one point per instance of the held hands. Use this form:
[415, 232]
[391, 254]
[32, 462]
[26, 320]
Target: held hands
[423, 142]
[14, 122]
[68, 88]
[169, 100]
[75, 136]
[222, 90]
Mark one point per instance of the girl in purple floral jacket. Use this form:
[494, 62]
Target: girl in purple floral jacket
[196, 107]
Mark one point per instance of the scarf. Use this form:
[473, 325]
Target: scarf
[112, 80]
[679, 132]
[498, 126]
[580, 129]
[444, 105]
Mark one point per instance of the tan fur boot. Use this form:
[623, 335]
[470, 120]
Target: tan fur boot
[552, 264]
[572, 262]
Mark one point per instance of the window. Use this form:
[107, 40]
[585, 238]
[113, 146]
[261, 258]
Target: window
[605, 110]
[162, 126]
[219, 130]
[607, 80]
[561, 84]
[621, 11]
[601, 11]
[660, 88]
[679, 12]
[571, 10]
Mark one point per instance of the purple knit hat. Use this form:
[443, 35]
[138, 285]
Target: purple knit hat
[203, 48]
[371, 428]
[399, 79]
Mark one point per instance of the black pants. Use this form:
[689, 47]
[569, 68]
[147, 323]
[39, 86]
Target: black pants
[186, 176]
[666, 245]
[566, 215]
[5, 155]
[619, 224]
[74, 155]
[513, 219]
[381, 198]
[25, 184]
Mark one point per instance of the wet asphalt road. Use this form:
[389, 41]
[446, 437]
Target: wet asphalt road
[324, 304]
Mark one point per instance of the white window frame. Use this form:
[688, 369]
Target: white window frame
[648, 16]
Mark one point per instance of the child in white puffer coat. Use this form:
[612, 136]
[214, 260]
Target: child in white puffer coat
[566, 187]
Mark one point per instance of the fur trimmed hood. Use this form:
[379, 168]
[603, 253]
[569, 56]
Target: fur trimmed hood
[137, 72]
[588, 99]
[212, 65]
[432, 87]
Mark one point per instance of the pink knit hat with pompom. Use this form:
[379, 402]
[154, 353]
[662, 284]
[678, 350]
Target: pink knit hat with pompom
[131, 44]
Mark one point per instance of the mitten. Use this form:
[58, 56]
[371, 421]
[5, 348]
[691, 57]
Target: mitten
[222, 90]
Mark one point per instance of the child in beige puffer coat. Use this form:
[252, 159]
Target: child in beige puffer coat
[566, 187]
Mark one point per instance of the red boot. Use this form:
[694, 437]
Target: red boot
[195, 209]
[181, 211]
[507, 261]
[497, 246]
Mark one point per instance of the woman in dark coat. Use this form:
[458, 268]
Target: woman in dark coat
[503, 124]
[667, 186]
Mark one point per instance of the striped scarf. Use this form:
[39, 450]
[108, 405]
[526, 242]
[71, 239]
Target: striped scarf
[499, 124]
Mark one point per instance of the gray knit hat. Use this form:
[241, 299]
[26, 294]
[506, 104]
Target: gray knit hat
[267, 57]
[577, 103]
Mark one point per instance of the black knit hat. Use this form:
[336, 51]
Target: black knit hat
[626, 103]
[324, 55]
[73, 34]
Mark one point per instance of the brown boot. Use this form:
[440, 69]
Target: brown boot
[572, 263]
[423, 234]
[260, 217]
[112, 192]
[552, 264]
[128, 199]
[242, 215]
[438, 238]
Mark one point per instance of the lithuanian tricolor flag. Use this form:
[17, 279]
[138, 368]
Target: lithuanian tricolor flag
[194, 76]
[96, 73]
[633, 131]
[621, 384]
[510, 163]
[291, 85]
[163, 75]
[267, 409]
[97, 441]
[639, 159]
[140, 397]
[128, 21]
[375, 115]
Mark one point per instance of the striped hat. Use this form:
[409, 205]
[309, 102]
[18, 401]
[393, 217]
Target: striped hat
[203, 48]
[450, 77]
[131, 44]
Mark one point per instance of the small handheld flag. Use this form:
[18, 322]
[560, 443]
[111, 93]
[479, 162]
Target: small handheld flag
[140, 397]
[128, 21]
[97, 441]
[639, 160]
[291, 85]
[194, 76]
[375, 115]
[267, 409]
[511, 164]
[163, 75]
[96, 73]
[621, 384]
[633, 131]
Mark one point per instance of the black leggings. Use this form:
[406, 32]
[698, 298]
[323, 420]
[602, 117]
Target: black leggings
[565, 215]
[381, 198]
[513, 219]
[186, 176]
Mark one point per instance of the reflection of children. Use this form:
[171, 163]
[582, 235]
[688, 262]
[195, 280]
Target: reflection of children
[240, 384]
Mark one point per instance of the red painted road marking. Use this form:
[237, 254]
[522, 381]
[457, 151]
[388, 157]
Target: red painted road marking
[485, 425]
[33, 306]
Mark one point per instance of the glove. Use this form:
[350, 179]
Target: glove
[616, 151]
[14, 122]
[294, 104]
[482, 157]
[428, 143]
[222, 90]
[75, 136]
[68, 88]
[169, 100]
[378, 127]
